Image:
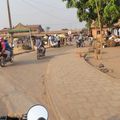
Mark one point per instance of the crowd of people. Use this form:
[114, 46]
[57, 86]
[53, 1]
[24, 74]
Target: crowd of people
[54, 40]
[83, 40]
[109, 36]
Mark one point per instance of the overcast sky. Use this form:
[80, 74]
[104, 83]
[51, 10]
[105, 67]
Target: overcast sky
[52, 13]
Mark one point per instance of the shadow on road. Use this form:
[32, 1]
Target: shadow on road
[117, 117]
[47, 58]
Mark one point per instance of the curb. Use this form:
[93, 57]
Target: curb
[23, 52]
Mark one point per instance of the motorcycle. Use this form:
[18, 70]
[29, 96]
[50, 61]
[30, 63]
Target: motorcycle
[78, 43]
[41, 52]
[36, 112]
[4, 60]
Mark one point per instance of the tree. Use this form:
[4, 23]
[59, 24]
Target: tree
[84, 11]
[103, 12]
[112, 12]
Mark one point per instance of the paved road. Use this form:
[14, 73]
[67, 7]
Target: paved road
[83, 92]
[72, 89]
[22, 84]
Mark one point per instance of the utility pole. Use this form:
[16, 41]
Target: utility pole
[32, 45]
[10, 21]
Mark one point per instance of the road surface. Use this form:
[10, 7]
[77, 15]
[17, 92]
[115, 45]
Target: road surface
[22, 84]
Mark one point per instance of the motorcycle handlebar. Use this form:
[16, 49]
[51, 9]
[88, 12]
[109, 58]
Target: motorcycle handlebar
[23, 117]
[10, 118]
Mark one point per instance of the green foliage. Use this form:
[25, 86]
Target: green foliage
[111, 12]
[71, 3]
[88, 24]
[89, 10]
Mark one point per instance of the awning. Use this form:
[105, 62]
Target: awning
[62, 35]
[15, 39]
[45, 37]
[18, 31]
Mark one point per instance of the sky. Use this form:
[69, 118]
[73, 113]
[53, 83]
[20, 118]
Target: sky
[48, 13]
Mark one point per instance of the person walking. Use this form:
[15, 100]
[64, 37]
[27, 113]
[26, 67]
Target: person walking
[81, 40]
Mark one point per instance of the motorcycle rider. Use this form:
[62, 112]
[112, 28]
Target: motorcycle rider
[3, 49]
[2, 45]
[8, 46]
[80, 39]
[77, 42]
[40, 45]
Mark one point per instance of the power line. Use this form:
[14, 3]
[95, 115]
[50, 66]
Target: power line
[68, 23]
[49, 5]
[42, 11]
[33, 5]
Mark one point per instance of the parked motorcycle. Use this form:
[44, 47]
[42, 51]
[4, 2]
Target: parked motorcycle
[4, 60]
[41, 52]
[36, 112]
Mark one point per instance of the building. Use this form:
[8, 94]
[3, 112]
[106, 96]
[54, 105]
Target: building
[21, 30]
[4, 31]
[117, 28]
[95, 31]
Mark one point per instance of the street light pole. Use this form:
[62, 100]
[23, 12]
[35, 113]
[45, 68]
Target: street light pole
[10, 20]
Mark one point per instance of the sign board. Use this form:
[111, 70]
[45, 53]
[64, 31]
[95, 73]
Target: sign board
[69, 32]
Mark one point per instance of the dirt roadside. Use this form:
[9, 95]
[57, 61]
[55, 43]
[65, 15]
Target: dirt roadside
[109, 62]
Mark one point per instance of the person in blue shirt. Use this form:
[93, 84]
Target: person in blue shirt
[7, 47]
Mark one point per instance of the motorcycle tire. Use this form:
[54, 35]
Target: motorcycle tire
[38, 56]
[2, 62]
[12, 59]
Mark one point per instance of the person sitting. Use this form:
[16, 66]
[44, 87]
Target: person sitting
[8, 46]
[81, 39]
[3, 48]
[40, 45]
